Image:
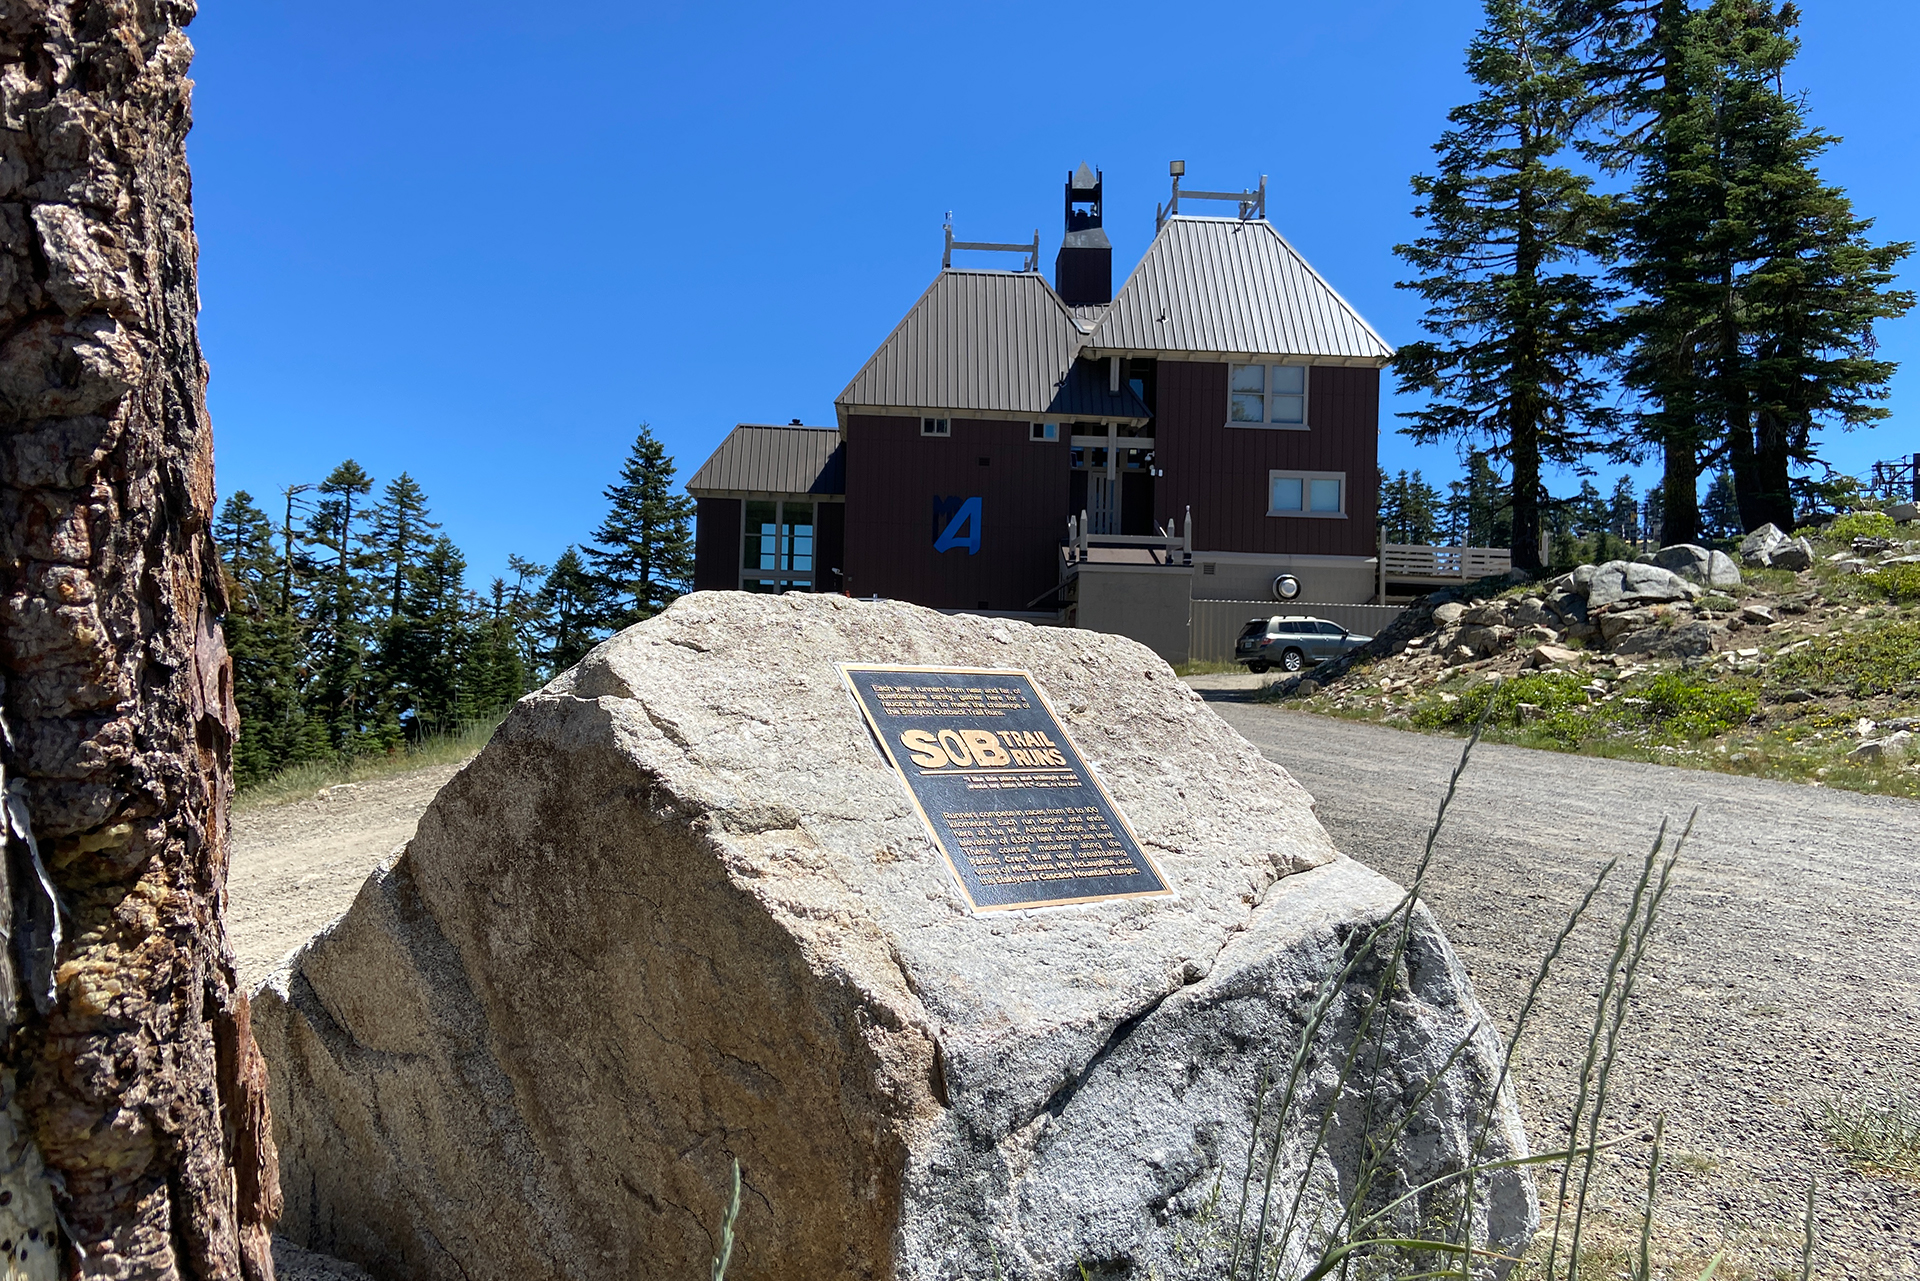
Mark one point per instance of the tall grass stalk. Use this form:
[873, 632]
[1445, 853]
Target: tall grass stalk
[732, 1216]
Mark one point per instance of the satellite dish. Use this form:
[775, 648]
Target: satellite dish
[1286, 587]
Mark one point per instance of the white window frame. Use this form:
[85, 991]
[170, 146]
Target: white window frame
[940, 427]
[1306, 479]
[1267, 395]
[1043, 433]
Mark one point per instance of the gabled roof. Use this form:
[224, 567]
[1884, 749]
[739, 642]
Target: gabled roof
[756, 459]
[1223, 287]
[991, 344]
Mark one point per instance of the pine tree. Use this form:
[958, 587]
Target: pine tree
[492, 676]
[522, 611]
[436, 638]
[572, 607]
[263, 639]
[401, 531]
[1623, 511]
[643, 552]
[1517, 323]
[1720, 509]
[339, 632]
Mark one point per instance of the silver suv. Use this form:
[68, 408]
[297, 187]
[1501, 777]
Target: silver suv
[1293, 643]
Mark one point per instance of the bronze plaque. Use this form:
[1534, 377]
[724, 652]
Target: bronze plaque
[1020, 819]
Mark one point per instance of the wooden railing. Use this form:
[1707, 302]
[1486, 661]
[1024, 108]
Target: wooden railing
[1177, 545]
[1457, 564]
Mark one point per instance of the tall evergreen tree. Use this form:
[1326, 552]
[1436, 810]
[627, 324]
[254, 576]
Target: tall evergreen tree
[572, 607]
[339, 561]
[1623, 510]
[401, 531]
[492, 675]
[522, 610]
[1720, 509]
[1515, 317]
[263, 638]
[643, 552]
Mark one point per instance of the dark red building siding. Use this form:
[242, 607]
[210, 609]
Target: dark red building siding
[1221, 471]
[716, 544]
[894, 477]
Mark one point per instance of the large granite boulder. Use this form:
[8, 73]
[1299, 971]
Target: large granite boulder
[1625, 584]
[681, 911]
[1700, 565]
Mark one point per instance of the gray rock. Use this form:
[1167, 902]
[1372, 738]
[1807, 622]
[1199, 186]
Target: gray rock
[1485, 641]
[1531, 611]
[1554, 656]
[1624, 582]
[1683, 640]
[1903, 512]
[1569, 607]
[1448, 614]
[291, 1263]
[680, 911]
[1759, 615]
[1620, 622]
[1491, 614]
[1757, 548]
[1796, 555]
[1699, 565]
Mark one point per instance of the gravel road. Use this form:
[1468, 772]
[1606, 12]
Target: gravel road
[1785, 969]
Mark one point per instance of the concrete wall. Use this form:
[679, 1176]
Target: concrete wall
[1141, 602]
[1216, 624]
[1335, 580]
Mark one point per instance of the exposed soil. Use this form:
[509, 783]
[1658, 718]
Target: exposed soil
[1786, 969]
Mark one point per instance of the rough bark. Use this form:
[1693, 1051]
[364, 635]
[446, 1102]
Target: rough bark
[137, 1073]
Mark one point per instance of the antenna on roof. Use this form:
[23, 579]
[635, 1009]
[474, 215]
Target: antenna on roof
[1032, 251]
[1253, 204]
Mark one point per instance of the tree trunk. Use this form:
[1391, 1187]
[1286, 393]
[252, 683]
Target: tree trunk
[137, 1077]
[1772, 459]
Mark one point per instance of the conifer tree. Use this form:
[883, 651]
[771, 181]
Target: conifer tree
[572, 606]
[401, 531]
[522, 610]
[263, 639]
[1515, 318]
[643, 552]
[338, 628]
[1720, 509]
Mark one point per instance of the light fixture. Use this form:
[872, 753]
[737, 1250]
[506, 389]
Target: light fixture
[1286, 587]
[1177, 168]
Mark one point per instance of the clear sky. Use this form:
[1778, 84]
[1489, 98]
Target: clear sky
[483, 242]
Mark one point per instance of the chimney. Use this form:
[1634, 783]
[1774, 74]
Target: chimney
[1083, 271]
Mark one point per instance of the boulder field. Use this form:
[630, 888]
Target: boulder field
[681, 912]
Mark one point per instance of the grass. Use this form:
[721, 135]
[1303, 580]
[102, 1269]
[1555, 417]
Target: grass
[1898, 584]
[1554, 709]
[302, 781]
[1207, 669]
[1878, 1139]
[1881, 660]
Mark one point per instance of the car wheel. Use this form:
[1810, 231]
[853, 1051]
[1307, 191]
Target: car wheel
[1293, 660]
[1257, 668]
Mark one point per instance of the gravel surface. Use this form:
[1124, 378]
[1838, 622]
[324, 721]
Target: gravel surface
[1785, 969]
[297, 866]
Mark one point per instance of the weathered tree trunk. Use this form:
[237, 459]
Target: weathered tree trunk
[127, 1033]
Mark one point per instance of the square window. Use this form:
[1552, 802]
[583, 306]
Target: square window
[1286, 493]
[1249, 409]
[1043, 431]
[1249, 378]
[1325, 495]
[936, 426]
[1290, 380]
[1268, 395]
[1291, 410]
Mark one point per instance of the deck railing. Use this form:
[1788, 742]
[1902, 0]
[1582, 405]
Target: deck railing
[1178, 546]
[1412, 560]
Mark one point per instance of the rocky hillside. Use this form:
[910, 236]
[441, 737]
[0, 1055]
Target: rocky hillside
[1794, 657]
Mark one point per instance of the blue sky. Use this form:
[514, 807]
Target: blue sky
[483, 242]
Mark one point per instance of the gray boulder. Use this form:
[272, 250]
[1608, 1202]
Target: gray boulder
[1448, 613]
[1619, 622]
[1531, 611]
[1796, 555]
[1699, 565]
[681, 911]
[1622, 582]
[1757, 547]
[1903, 512]
[1683, 640]
[1485, 640]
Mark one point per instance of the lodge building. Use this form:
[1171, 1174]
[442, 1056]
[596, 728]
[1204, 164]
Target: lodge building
[1068, 453]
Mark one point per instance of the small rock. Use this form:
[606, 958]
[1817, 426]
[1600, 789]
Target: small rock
[1569, 607]
[1623, 621]
[1530, 711]
[1688, 640]
[1796, 556]
[1554, 656]
[1491, 614]
[1867, 752]
[1545, 635]
[1757, 615]
[1797, 696]
[1531, 611]
[1449, 614]
[1757, 548]
[1307, 688]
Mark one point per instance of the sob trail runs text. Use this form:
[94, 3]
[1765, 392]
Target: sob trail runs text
[1020, 819]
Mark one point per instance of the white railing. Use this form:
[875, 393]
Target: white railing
[1457, 564]
[1178, 546]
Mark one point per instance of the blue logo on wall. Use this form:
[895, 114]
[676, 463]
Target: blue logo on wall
[956, 523]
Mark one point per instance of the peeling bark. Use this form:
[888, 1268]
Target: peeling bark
[137, 1073]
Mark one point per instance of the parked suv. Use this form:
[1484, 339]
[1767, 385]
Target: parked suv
[1292, 643]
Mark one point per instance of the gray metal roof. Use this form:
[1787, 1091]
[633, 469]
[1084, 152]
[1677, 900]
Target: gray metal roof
[1221, 286]
[1083, 394]
[989, 343]
[757, 459]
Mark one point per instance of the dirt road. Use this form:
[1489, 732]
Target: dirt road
[1786, 970]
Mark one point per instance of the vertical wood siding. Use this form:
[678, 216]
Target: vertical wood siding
[1221, 471]
[716, 544]
[893, 477]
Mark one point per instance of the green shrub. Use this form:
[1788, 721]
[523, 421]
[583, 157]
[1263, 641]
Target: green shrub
[1682, 708]
[1552, 692]
[1897, 583]
[1859, 525]
[1876, 661]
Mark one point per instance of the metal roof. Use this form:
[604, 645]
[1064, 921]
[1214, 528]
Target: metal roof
[986, 343]
[1083, 394]
[1220, 286]
[757, 459]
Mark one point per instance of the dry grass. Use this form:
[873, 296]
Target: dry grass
[302, 781]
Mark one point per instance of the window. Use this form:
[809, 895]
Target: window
[1307, 493]
[936, 426]
[1043, 431]
[1267, 396]
[776, 539]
